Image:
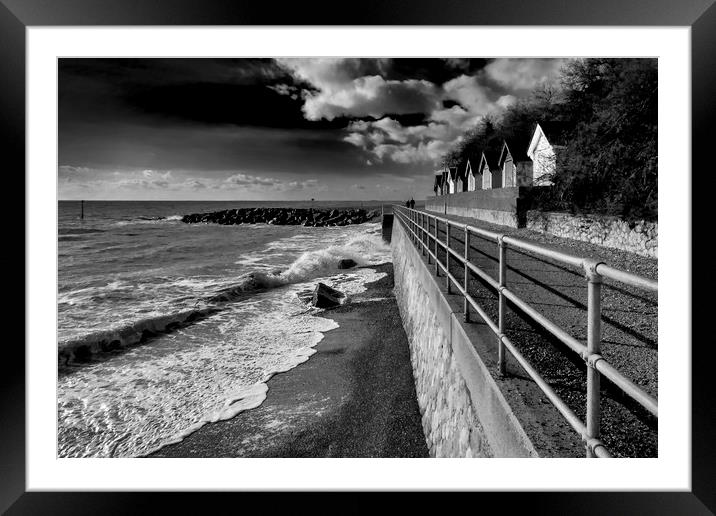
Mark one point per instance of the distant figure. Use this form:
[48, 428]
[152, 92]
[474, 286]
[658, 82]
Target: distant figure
[407, 204]
[412, 204]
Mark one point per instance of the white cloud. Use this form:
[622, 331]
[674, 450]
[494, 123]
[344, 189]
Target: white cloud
[388, 139]
[357, 88]
[133, 183]
[249, 180]
[523, 74]
[252, 182]
[357, 139]
[506, 101]
[284, 89]
[371, 96]
[472, 93]
[458, 63]
[193, 184]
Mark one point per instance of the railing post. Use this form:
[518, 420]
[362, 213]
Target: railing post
[501, 314]
[422, 232]
[447, 255]
[427, 238]
[437, 260]
[417, 227]
[466, 307]
[594, 342]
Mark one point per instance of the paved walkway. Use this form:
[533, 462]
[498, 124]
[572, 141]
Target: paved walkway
[629, 326]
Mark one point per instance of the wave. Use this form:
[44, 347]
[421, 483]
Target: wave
[364, 250]
[78, 231]
[83, 348]
[149, 220]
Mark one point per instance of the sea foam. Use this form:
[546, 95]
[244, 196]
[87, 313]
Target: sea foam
[213, 367]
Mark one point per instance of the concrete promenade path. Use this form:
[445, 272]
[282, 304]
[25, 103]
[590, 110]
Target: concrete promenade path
[629, 325]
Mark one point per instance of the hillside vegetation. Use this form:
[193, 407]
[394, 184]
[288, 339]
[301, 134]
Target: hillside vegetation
[608, 108]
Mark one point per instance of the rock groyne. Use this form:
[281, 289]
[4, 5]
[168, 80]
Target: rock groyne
[284, 216]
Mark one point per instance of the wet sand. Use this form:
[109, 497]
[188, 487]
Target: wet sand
[355, 397]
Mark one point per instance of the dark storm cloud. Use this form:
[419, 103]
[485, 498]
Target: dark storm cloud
[223, 91]
[434, 70]
[214, 103]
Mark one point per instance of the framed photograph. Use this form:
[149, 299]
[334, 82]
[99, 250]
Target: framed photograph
[274, 250]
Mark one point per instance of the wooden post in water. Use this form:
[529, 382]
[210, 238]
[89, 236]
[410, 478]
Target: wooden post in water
[82, 210]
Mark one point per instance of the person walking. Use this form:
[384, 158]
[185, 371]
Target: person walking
[412, 204]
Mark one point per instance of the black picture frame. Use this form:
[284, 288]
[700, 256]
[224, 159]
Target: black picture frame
[17, 15]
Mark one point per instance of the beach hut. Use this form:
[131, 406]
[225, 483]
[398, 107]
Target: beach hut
[452, 179]
[461, 184]
[489, 171]
[444, 182]
[546, 146]
[514, 163]
[438, 183]
[471, 175]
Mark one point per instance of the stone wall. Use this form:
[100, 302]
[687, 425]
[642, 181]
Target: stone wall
[640, 237]
[449, 420]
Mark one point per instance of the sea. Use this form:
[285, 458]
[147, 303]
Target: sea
[220, 309]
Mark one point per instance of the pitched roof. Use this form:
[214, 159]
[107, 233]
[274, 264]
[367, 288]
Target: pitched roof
[462, 169]
[516, 146]
[490, 156]
[474, 162]
[555, 131]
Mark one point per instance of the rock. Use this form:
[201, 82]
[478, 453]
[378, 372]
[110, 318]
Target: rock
[327, 297]
[346, 263]
[282, 216]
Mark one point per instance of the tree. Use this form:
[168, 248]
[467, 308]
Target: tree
[610, 161]
[609, 165]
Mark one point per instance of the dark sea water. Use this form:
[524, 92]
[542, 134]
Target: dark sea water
[122, 271]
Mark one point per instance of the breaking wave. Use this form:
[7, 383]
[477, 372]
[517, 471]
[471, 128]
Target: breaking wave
[364, 250]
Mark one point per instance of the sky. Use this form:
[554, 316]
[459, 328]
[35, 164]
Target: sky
[273, 129]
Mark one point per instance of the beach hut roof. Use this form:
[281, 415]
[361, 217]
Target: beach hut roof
[516, 146]
[490, 156]
[555, 131]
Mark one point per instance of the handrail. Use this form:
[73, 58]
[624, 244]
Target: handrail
[417, 221]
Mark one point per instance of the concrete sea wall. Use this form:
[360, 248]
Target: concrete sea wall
[641, 237]
[464, 414]
[498, 205]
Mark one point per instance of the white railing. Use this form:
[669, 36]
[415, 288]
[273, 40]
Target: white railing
[419, 226]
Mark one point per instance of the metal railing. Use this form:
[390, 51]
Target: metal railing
[419, 226]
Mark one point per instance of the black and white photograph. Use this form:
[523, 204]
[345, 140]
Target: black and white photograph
[328, 257]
